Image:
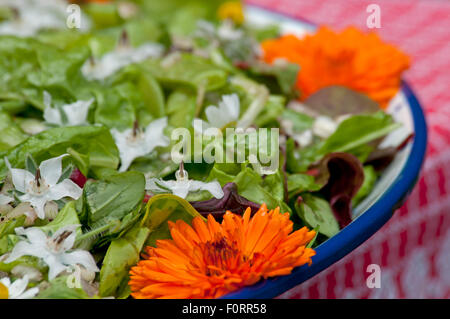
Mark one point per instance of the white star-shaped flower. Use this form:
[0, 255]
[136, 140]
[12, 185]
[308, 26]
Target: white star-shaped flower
[133, 143]
[17, 289]
[56, 250]
[182, 186]
[44, 186]
[113, 61]
[34, 16]
[219, 117]
[75, 113]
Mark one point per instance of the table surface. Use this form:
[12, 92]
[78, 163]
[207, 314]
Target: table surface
[413, 248]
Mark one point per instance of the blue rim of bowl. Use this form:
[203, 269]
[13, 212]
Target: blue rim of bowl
[361, 228]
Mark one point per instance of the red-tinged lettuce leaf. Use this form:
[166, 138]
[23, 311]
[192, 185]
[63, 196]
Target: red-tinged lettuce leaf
[383, 157]
[342, 175]
[78, 178]
[334, 101]
[231, 201]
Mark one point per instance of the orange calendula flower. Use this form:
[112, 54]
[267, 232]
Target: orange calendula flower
[209, 259]
[359, 61]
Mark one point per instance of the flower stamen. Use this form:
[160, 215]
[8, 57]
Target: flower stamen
[37, 177]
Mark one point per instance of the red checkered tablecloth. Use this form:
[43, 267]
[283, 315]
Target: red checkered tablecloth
[413, 248]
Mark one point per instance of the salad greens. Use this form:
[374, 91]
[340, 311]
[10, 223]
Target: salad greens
[172, 61]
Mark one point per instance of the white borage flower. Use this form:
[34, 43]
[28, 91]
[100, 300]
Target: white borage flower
[56, 250]
[228, 32]
[134, 143]
[219, 117]
[113, 61]
[33, 16]
[182, 186]
[44, 186]
[74, 114]
[16, 289]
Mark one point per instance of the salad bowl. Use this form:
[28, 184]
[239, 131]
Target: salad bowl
[389, 194]
[86, 161]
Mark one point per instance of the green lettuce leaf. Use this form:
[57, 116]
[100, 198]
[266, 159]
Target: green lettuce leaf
[163, 208]
[59, 289]
[122, 254]
[94, 141]
[189, 71]
[316, 213]
[10, 133]
[359, 130]
[370, 178]
[113, 198]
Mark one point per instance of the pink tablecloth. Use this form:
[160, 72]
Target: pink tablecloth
[413, 248]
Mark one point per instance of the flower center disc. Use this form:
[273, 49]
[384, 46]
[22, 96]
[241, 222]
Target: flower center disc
[4, 293]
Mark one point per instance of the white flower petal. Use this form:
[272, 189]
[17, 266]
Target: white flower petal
[200, 126]
[16, 290]
[35, 235]
[131, 147]
[55, 266]
[6, 281]
[111, 62]
[5, 199]
[70, 240]
[18, 287]
[53, 116]
[213, 187]
[23, 248]
[215, 117]
[38, 203]
[219, 117]
[183, 187]
[305, 138]
[180, 189]
[30, 293]
[324, 126]
[126, 160]
[145, 51]
[67, 188]
[226, 31]
[21, 178]
[81, 257]
[230, 105]
[51, 169]
[150, 184]
[154, 134]
[77, 112]
[128, 149]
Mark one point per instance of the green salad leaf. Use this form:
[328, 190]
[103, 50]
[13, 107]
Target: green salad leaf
[95, 142]
[316, 212]
[359, 130]
[112, 199]
[187, 70]
[164, 208]
[122, 253]
[10, 132]
[370, 178]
